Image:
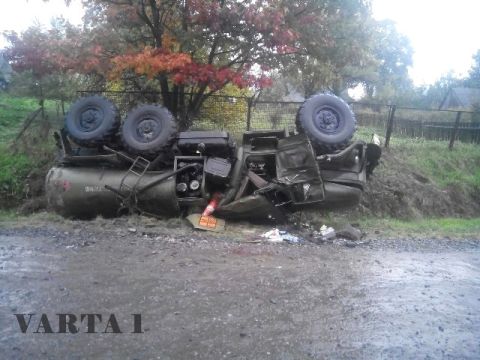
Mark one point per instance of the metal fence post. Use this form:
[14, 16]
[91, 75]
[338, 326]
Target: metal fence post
[455, 131]
[391, 116]
[249, 113]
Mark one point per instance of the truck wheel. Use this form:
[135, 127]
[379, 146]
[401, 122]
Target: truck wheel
[148, 129]
[92, 121]
[327, 120]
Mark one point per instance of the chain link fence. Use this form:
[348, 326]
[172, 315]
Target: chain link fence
[239, 114]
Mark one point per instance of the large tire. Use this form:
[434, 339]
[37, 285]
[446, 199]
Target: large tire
[92, 121]
[327, 120]
[148, 130]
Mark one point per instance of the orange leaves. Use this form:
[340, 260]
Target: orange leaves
[182, 70]
[169, 42]
[150, 62]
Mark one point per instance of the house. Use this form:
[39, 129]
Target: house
[461, 98]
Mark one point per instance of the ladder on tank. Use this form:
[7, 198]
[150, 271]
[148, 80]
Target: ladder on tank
[130, 181]
[137, 170]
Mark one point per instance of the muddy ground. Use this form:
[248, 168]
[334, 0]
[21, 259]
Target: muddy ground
[215, 296]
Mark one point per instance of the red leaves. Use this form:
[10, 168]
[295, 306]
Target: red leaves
[197, 38]
[58, 50]
[150, 62]
[216, 78]
[183, 71]
[207, 74]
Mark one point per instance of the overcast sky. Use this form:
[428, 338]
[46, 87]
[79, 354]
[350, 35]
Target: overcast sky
[444, 33]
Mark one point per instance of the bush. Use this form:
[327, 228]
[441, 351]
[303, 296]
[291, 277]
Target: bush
[225, 110]
[13, 170]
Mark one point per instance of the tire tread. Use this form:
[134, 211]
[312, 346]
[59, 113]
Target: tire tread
[320, 146]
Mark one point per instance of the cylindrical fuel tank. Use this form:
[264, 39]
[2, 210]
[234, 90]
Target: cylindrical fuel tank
[80, 192]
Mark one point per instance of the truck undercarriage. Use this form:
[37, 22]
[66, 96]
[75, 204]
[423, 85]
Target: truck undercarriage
[153, 169]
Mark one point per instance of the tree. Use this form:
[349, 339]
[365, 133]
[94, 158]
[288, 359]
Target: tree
[394, 53]
[191, 49]
[473, 79]
[53, 57]
[199, 46]
[338, 54]
[436, 93]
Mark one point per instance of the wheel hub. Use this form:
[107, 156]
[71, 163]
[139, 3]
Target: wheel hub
[90, 119]
[148, 129]
[326, 119]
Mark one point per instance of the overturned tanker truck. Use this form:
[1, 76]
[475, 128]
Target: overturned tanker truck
[108, 167]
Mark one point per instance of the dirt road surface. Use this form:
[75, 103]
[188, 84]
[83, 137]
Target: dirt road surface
[204, 296]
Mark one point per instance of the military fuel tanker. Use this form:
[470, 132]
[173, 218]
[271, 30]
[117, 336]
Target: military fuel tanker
[111, 167]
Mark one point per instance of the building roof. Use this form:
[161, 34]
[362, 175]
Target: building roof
[461, 98]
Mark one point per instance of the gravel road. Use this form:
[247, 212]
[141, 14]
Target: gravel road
[222, 296]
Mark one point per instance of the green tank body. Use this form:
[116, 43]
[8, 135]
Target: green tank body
[80, 192]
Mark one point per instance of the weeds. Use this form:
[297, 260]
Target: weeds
[14, 110]
[14, 169]
[459, 168]
[33, 151]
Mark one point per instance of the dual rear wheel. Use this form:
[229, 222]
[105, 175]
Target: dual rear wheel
[148, 129]
[94, 120]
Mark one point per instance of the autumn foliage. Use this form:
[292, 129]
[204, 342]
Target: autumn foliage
[150, 62]
[178, 47]
[216, 44]
[59, 50]
[183, 70]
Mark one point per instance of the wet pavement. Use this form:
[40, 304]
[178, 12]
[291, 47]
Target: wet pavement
[215, 296]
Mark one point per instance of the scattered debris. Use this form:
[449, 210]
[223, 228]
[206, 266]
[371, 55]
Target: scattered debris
[327, 233]
[291, 239]
[350, 233]
[272, 235]
[208, 223]
[278, 236]
[132, 230]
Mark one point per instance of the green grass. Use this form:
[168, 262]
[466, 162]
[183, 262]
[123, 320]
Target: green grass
[459, 167]
[31, 152]
[7, 214]
[12, 113]
[14, 168]
[452, 227]
[14, 110]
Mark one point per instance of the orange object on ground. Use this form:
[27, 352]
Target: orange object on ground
[208, 221]
[212, 205]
